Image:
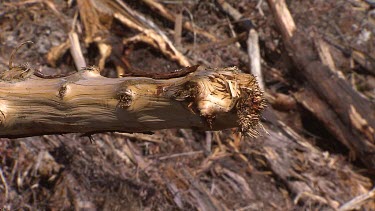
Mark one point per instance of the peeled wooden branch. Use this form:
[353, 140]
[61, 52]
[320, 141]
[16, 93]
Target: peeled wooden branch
[86, 102]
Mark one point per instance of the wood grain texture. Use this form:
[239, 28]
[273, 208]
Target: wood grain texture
[86, 102]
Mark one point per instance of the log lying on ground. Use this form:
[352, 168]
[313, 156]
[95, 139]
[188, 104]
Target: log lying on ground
[348, 110]
[86, 102]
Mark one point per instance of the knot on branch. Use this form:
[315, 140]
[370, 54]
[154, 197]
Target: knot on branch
[125, 98]
[2, 114]
[63, 90]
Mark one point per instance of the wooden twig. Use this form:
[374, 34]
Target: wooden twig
[91, 19]
[235, 14]
[254, 55]
[364, 60]
[14, 52]
[208, 141]
[151, 32]
[178, 29]
[283, 18]
[143, 137]
[358, 201]
[259, 7]
[307, 196]
[56, 52]
[180, 155]
[75, 47]
[176, 194]
[252, 42]
[325, 55]
[240, 183]
[75, 50]
[6, 189]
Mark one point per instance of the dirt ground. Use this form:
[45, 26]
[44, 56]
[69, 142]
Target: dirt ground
[183, 169]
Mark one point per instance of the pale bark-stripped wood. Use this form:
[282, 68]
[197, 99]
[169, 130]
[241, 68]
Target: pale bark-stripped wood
[86, 102]
[283, 18]
[254, 55]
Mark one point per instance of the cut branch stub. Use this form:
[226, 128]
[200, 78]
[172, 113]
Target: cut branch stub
[85, 102]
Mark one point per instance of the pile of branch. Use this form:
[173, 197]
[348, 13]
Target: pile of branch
[344, 112]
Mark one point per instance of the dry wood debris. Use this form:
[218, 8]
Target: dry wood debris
[316, 149]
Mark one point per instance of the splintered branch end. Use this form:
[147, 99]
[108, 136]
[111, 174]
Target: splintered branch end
[226, 91]
[250, 108]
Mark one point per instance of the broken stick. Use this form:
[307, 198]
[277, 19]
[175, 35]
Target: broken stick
[86, 102]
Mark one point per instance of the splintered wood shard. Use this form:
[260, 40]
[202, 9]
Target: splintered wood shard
[86, 102]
